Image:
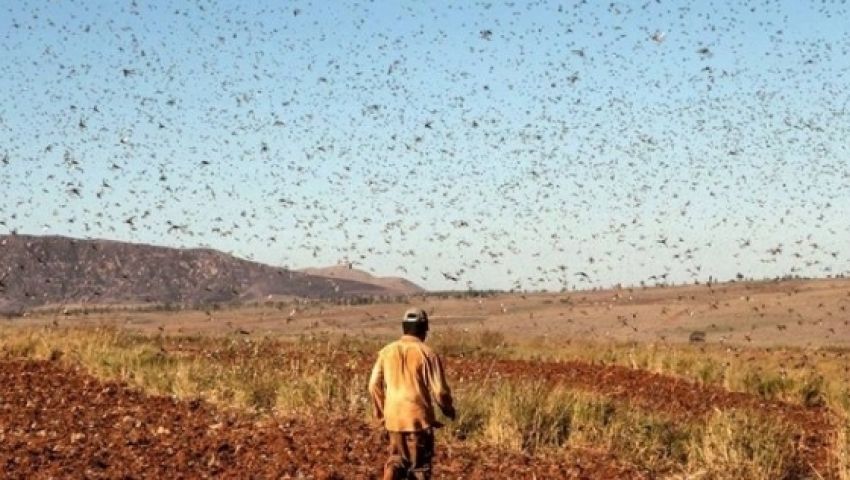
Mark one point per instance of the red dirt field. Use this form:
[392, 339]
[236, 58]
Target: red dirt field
[667, 395]
[673, 396]
[62, 423]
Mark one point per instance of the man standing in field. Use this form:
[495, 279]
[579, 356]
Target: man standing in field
[406, 376]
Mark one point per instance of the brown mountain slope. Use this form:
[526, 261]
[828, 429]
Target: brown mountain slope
[36, 270]
[396, 285]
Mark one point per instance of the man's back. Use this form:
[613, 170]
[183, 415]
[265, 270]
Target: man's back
[412, 373]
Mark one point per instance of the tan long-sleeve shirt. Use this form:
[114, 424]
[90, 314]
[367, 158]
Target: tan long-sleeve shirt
[406, 376]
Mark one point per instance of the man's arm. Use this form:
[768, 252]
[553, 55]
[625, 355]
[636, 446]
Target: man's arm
[439, 386]
[376, 389]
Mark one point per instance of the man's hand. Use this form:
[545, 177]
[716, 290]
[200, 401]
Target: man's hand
[450, 413]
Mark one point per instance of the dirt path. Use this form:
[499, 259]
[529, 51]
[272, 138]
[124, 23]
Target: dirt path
[61, 423]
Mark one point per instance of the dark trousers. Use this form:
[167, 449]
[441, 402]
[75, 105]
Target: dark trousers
[410, 455]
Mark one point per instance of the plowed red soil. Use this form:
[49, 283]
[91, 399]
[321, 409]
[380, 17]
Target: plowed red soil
[60, 423]
[671, 396]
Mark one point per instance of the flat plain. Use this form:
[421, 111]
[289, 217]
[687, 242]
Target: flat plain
[734, 380]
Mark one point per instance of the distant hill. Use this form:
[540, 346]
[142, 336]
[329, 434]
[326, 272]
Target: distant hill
[53, 270]
[396, 285]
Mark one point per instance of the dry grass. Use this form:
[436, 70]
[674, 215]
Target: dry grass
[539, 418]
[311, 376]
[803, 376]
[232, 373]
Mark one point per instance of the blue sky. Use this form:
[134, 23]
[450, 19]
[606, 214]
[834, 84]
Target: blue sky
[502, 144]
